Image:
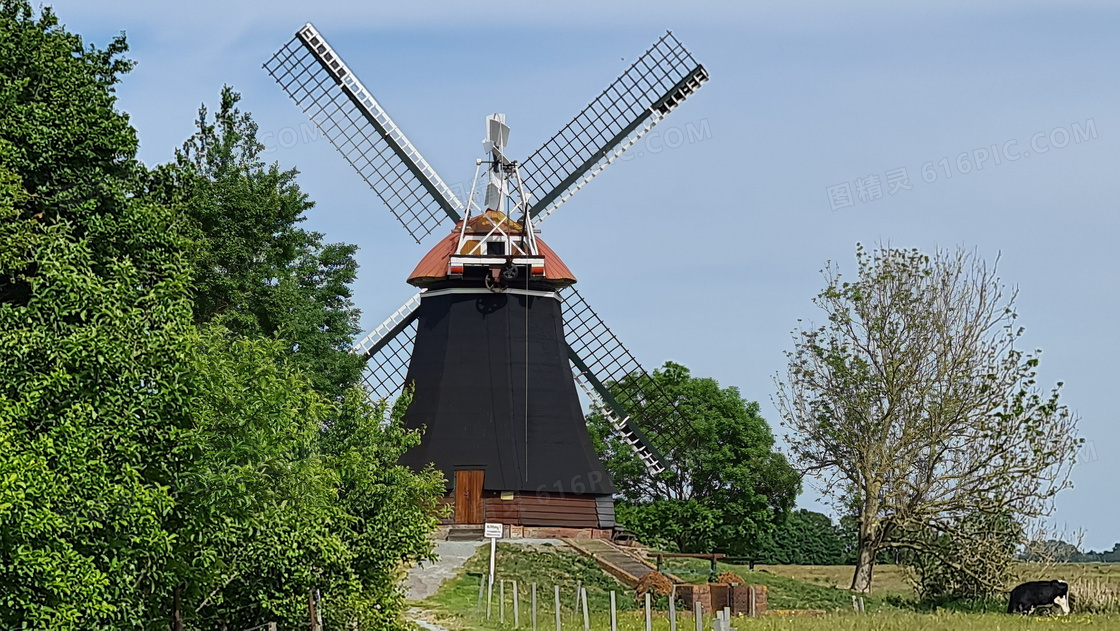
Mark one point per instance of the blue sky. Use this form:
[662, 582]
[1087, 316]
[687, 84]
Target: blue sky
[706, 250]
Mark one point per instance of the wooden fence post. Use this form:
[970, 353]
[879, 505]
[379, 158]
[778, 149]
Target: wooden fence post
[557, 588]
[673, 608]
[176, 612]
[583, 597]
[698, 613]
[311, 610]
[489, 595]
[649, 621]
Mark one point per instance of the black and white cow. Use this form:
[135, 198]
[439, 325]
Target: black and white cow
[1030, 596]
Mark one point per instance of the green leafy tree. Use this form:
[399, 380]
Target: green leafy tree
[270, 505]
[725, 492]
[255, 270]
[94, 312]
[254, 518]
[807, 538]
[979, 564]
[73, 152]
[1052, 551]
[393, 510]
[141, 458]
[89, 402]
[915, 408]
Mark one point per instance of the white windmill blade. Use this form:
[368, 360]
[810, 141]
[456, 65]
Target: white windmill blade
[653, 86]
[317, 79]
[387, 350]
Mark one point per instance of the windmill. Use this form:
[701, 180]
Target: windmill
[497, 339]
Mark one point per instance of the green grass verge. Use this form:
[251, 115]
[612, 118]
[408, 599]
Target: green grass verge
[547, 566]
[783, 592]
[454, 606]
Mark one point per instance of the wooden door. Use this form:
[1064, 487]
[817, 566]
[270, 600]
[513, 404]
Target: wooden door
[468, 497]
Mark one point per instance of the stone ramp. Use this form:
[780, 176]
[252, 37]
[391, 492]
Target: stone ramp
[615, 560]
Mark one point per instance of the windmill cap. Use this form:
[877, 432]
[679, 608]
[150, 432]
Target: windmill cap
[433, 267]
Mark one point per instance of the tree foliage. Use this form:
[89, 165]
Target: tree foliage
[725, 493]
[269, 505]
[807, 538]
[153, 448]
[93, 316]
[916, 409]
[974, 559]
[255, 270]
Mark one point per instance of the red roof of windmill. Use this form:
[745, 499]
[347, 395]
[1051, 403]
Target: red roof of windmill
[433, 266]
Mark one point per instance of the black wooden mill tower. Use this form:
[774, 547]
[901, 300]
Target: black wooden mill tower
[496, 341]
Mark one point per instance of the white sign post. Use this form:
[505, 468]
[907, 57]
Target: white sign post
[493, 532]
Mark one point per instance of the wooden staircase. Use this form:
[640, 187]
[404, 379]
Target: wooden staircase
[617, 561]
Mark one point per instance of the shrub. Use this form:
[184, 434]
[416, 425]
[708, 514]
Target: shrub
[1094, 596]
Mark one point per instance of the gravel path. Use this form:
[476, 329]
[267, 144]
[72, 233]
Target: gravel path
[425, 579]
[415, 614]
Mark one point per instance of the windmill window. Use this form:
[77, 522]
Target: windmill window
[495, 248]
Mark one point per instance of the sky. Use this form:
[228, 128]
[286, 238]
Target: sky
[705, 245]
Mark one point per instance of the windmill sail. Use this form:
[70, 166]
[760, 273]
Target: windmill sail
[629, 397]
[652, 87]
[387, 350]
[317, 79]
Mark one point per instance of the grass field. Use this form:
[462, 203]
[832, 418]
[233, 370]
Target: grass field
[798, 589]
[892, 580]
[892, 621]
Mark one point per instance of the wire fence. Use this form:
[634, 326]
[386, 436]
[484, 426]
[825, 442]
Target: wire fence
[510, 605]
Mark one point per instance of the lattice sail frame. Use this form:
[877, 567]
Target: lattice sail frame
[660, 80]
[620, 387]
[317, 79]
[388, 350]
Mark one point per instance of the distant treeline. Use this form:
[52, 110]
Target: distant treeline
[1057, 551]
[809, 538]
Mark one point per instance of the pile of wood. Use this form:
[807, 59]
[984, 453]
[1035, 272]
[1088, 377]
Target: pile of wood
[654, 582]
[730, 578]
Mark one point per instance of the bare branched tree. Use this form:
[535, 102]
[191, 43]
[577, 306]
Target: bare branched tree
[913, 407]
